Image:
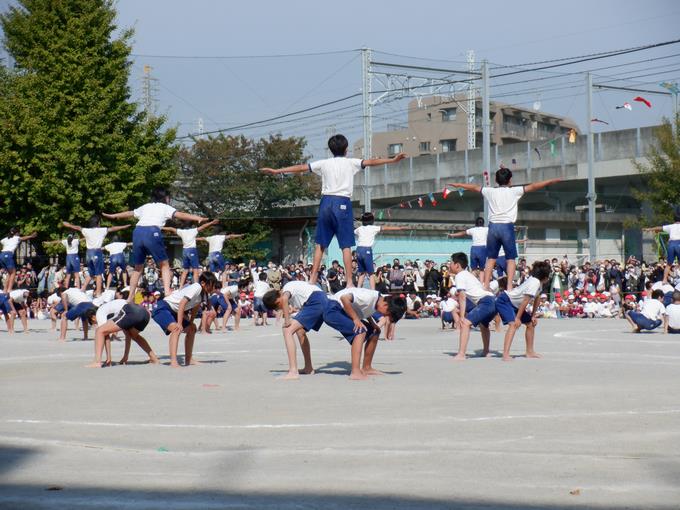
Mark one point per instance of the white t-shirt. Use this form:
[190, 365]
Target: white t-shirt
[94, 237]
[673, 231]
[53, 300]
[448, 305]
[365, 235]
[19, 296]
[115, 248]
[673, 312]
[110, 309]
[299, 292]
[653, 309]
[503, 203]
[664, 287]
[337, 175]
[71, 249]
[10, 243]
[231, 290]
[216, 242]
[363, 300]
[106, 297]
[260, 288]
[466, 281]
[531, 287]
[154, 214]
[191, 292]
[188, 236]
[76, 296]
[478, 235]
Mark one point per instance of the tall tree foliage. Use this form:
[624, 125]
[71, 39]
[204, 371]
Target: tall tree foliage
[219, 177]
[661, 174]
[71, 140]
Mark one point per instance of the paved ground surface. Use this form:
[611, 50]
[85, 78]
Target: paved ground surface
[595, 423]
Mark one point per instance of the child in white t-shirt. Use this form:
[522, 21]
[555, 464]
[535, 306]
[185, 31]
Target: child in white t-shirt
[650, 316]
[365, 236]
[673, 249]
[479, 234]
[672, 315]
[190, 258]
[9, 246]
[335, 209]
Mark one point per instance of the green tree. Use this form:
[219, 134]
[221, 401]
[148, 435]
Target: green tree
[661, 175]
[219, 177]
[71, 140]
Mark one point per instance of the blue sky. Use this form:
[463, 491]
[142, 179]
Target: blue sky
[230, 91]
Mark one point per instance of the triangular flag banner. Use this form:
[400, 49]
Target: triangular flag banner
[461, 191]
[381, 214]
[642, 100]
[572, 136]
[446, 193]
[626, 106]
[409, 205]
[420, 201]
[389, 213]
[402, 205]
[487, 178]
[432, 200]
[552, 147]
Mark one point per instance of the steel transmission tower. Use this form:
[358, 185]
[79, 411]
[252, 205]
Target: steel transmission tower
[149, 89]
[471, 108]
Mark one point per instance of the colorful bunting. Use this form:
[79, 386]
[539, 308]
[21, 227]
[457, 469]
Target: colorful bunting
[420, 201]
[381, 214]
[641, 99]
[432, 200]
[552, 147]
[389, 213]
[409, 205]
[487, 178]
[572, 136]
[625, 105]
[446, 193]
[460, 192]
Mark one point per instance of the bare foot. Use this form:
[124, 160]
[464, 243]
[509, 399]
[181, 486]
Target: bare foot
[289, 376]
[636, 330]
[174, 364]
[372, 371]
[123, 361]
[533, 355]
[486, 354]
[94, 364]
[107, 363]
[459, 357]
[306, 371]
[357, 376]
[154, 360]
[194, 362]
[507, 357]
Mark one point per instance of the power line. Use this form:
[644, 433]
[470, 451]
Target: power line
[242, 57]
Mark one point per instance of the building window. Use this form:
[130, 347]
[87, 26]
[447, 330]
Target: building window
[536, 233]
[568, 234]
[448, 114]
[448, 145]
[395, 148]
[424, 147]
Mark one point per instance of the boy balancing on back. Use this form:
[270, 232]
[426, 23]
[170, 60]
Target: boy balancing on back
[502, 203]
[335, 210]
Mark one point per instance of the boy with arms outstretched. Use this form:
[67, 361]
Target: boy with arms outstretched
[476, 305]
[365, 236]
[311, 302]
[502, 202]
[512, 306]
[190, 259]
[351, 312]
[673, 249]
[9, 246]
[335, 210]
[147, 238]
[478, 249]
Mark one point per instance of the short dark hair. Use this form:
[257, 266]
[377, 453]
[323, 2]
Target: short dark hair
[90, 313]
[270, 297]
[208, 278]
[541, 270]
[479, 222]
[367, 218]
[460, 258]
[262, 276]
[503, 176]
[676, 295]
[658, 293]
[159, 195]
[338, 145]
[13, 231]
[94, 221]
[125, 294]
[396, 307]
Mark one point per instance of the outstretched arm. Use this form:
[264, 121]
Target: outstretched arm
[234, 236]
[295, 169]
[535, 186]
[652, 229]
[72, 226]
[384, 161]
[386, 228]
[116, 229]
[119, 216]
[172, 230]
[30, 236]
[49, 243]
[208, 225]
[190, 217]
[466, 186]
[462, 233]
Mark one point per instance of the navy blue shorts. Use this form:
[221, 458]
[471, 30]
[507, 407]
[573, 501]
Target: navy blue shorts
[667, 298]
[95, 262]
[72, 264]
[672, 253]
[216, 262]
[164, 316]
[481, 313]
[59, 307]
[147, 241]
[79, 310]
[310, 315]
[190, 258]
[219, 304]
[643, 322]
[5, 306]
[365, 259]
[335, 219]
[501, 266]
[117, 261]
[447, 317]
[131, 316]
[501, 234]
[7, 260]
[477, 257]
[336, 318]
[508, 311]
[258, 305]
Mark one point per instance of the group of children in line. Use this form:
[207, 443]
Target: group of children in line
[357, 313]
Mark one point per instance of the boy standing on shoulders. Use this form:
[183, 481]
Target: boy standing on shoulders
[335, 210]
[512, 306]
[476, 305]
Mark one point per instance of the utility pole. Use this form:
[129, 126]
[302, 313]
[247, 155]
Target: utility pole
[367, 115]
[471, 113]
[591, 196]
[486, 129]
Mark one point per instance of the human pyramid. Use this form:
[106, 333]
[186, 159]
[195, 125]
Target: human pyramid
[358, 313]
